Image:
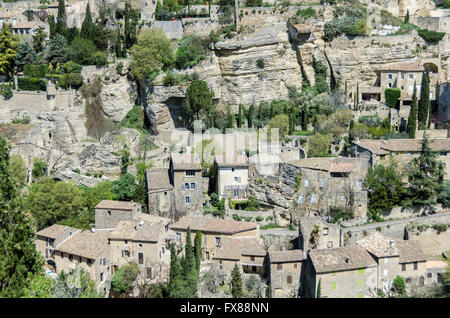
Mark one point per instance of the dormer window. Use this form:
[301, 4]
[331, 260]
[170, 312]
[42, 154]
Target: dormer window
[190, 173]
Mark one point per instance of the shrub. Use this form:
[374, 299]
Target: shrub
[260, 63]
[6, 91]
[399, 285]
[119, 67]
[37, 71]
[170, 80]
[440, 227]
[338, 213]
[99, 59]
[72, 67]
[32, 84]
[431, 36]
[259, 218]
[306, 13]
[392, 95]
[25, 120]
[190, 52]
[73, 80]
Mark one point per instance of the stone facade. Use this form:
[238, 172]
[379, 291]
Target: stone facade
[109, 213]
[315, 233]
[232, 177]
[286, 273]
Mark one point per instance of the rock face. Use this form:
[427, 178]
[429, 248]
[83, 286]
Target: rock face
[118, 98]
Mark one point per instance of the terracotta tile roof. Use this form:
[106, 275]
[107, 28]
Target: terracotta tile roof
[381, 246]
[383, 147]
[213, 225]
[235, 161]
[116, 205]
[29, 25]
[313, 163]
[340, 259]
[146, 232]
[186, 161]
[158, 179]
[341, 167]
[86, 243]
[415, 65]
[410, 251]
[55, 230]
[436, 264]
[234, 247]
[286, 256]
[151, 218]
[373, 146]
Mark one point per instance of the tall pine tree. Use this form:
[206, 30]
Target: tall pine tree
[236, 283]
[19, 260]
[424, 102]
[8, 51]
[412, 118]
[198, 249]
[61, 23]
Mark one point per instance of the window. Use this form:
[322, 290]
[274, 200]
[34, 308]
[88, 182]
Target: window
[252, 258]
[149, 272]
[443, 153]
[187, 200]
[236, 193]
[193, 185]
[325, 231]
[409, 154]
[306, 184]
[431, 95]
[232, 169]
[70, 257]
[279, 266]
[179, 237]
[295, 265]
[190, 173]
[217, 240]
[429, 275]
[101, 261]
[89, 261]
[186, 186]
[360, 185]
[289, 279]
[393, 153]
[389, 85]
[314, 198]
[415, 265]
[62, 255]
[408, 280]
[141, 258]
[411, 76]
[165, 192]
[403, 267]
[125, 253]
[389, 76]
[330, 244]
[235, 179]
[300, 199]
[342, 198]
[140, 245]
[101, 277]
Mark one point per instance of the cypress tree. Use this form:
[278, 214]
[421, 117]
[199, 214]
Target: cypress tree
[236, 283]
[175, 270]
[424, 102]
[87, 27]
[19, 260]
[52, 25]
[316, 124]
[357, 96]
[412, 118]
[230, 118]
[189, 258]
[118, 44]
[250, 116]
[319, 289]
[304, 119]
[61, 23]
[346, 93]
[198, 249]
[292, 120]
[407, 16]
[240, 117]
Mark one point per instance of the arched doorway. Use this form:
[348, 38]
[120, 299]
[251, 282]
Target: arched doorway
[51, 265]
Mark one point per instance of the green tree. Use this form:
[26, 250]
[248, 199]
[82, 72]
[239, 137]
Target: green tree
[319, 289]
[281, 122]
[198, 249]
[75, 284]
[19, 260]
[407, 16]
[8, 51]
[189, 263]
[175, 271]
[131, 21]
[198, 100]
[385, 188]
[123, 279]
[399, 285]
[425, 176]
[52, 25]
[251, 113]
[151, 53]
[236, 283]
[25, 55]
[424, 102]
[81, 51]
[51, 201]
[125, 160]
[88, 27]
[18, 170]
[39, 40]
[124, 189]
[61, 22]
[39, 286]
[57, 49]
[39, 168]
[319, 145]
[412, 118]
[94, 195]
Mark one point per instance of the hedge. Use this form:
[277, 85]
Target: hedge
[72, 67]
[37, 71]
[392, 95]
[32, 84]
[431, 36]
[73, 80]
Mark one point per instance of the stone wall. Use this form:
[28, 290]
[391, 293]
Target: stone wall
[172, 29]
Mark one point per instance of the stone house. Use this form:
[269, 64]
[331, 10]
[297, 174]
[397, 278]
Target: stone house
[316, 233]
[342, 272]
[214, 231]
[186, 177]
[109, 213]
[143, 242]
[231, 176]
[29, 28]
[435, 272]
[402, 151]
[49, 238]
[396, 258]
[330, 182]
[159, 192]
[91, 251]
[286, 272]
[247, 252]
[404, 76]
